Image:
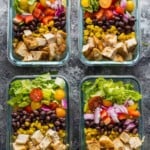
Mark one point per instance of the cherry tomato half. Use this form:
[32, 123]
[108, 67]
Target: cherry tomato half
[36, 95]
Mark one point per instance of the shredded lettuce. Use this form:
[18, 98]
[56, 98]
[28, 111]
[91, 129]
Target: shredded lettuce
[118, 92]
[20, 89]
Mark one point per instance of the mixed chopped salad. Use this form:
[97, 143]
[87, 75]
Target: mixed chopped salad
[109, 30]
[111, 115]
[39, 30]
[39, 113]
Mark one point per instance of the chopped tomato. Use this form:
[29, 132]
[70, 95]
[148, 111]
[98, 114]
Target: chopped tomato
[107, 103]
[18, 19]
[99, 14]
[37, 13]
[36, 95]
[28, 18]
[104, 114]
[107, 120]
[49, 12]
[46, 19]
[40, 6]
[109, 14]
[87, 14]
[94, 102]
[53, 105]
[134, 113]
[28, 109]
[122, 116]
[119, 10]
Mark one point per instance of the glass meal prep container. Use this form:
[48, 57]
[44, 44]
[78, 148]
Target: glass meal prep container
[63, 131]
[45, 57]
[87, 135]
[88, 59]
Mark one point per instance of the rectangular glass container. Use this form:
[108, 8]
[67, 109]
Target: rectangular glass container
[136, 54]
[126, 79]
[18, 62]
[9, 111]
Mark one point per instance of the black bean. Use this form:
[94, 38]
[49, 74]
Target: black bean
[92, 124]
[57, 123]
[121, 23]
[36, 112]
[53, 116]
[23, 126]
[120, 29]
[31, 27]
[18, 117]
[111, 22]
[43, 113]
[110, 126]
[100, 23]
[102, 131]
[27, 28]
[136, 122]
[108, 132]
[57, 128]
[63, 23]
[98, 128]
[104, 27]
[15, 28]
[62, 120]
[116, 128]
[14, 124]
[56, 18]
[63, 125]
[117, 18]
[57, 24]
[24, 117]
[17, 124]
[28, 120]
[107, 24]
[48, 118]
[62, 14]
[120, 130]
[32, 115]
[14, 114]
[37, 118]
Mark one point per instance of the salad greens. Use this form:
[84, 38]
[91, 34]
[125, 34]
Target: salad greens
[20, 89]
[117, 92]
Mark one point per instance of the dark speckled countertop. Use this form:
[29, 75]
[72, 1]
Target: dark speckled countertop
[75, 71]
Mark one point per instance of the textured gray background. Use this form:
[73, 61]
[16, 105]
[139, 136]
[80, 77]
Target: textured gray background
[75, 71]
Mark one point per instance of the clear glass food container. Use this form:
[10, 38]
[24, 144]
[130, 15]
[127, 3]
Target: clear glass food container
[15, 60]
[9, 111]
[126, 79]
[136, 54]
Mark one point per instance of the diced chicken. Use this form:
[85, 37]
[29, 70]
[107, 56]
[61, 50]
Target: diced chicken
[52, 51]
[37, 137]
[91, 42]
[19, 147]
[86, 50]
[27, 32]
[45, 48]
[39, 55]
[28, 57]
[50, 37]
[45, 143]
[22, 139]
[109, 52]
[135, 142]
[93, 145]
[95, 54]
[21, 49]
[131, 44]
[53, 135]
[121, 49]
[130, 56]
[99, 43]
[125, 137]
[30, 42]
[106, 142]
[63, 34]
[118, 58]
[110, 39]
[127, 147]
[58, 146]
[41, 41]
[118, 145]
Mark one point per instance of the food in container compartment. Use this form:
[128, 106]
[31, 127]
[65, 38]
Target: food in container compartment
[39, 30]
[110, 25]
[111, 115]
[39, 113]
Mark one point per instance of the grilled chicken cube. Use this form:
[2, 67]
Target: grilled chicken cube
[135, 142]
[28, 57]
[121, 49]
[30, 42]
[19, 146]
[86, 50]
[37, 137]
[27, 32]
[22, 139]
[131, 44]
[130, 56]
[127, 147]
[41, 41]
[125, 137]
[109, 52]
[21, 49]
[95, 54]
[39, 55]
[45, 143]
[93, 145]
[53, 135]
[52, 51]
[91, 42]
[99, 43]
[118, 145]
[118, 58]
[58, 146]
[110, 39]
[63, 34]
[106, 142]
[50, 37]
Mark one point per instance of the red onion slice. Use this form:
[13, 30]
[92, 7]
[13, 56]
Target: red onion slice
[89, 116]
[64, 103]
[97, 115]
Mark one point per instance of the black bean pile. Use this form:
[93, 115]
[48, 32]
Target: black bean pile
[20, 117]
[123, 25]
[19, 28]
[117, 127]
[60, 22]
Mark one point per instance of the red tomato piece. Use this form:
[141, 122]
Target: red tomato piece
[122, 116]
[99, 14]
[37, 12]
[53, 105]
[28, 109]
[109, 14]
[40, 6]
[49, 12]
[119, 10]
[28, 18]
[46, 19]
[36, 95]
